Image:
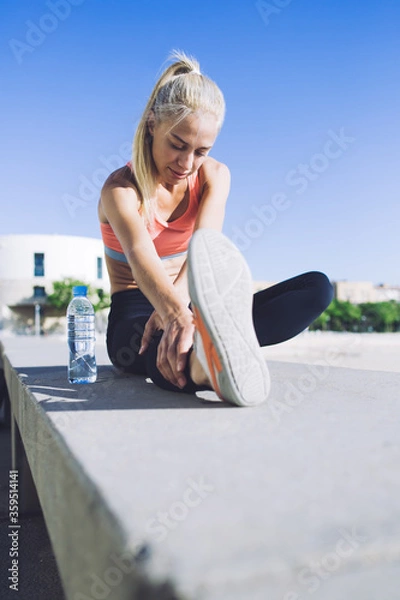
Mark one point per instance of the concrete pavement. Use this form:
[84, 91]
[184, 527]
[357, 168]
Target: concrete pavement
[292, 500]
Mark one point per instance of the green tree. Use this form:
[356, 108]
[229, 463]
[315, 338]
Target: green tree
[344, 316]
[387, 315]
[366, 317]
[339, 316]
[396, 324]
[369, 318]
[103, 300]
[321, 322]
[62, 295]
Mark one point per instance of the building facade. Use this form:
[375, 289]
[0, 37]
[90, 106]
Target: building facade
[358, 292]
[30, 263]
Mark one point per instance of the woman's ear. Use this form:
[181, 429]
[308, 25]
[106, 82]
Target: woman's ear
[151, 121]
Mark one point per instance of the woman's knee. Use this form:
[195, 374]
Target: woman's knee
[325, 286]
[322, 287]
[123, 344]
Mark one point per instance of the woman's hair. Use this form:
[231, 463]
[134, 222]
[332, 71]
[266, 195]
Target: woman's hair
[180, 91]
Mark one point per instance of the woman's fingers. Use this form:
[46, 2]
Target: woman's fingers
[173, 350]
[163, 362]
[147, 335]
[184, 344]
[174, 360]
[151, 327]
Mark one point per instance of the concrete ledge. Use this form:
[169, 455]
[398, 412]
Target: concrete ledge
[149, 494]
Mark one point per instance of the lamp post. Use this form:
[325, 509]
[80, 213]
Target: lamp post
[37, 319]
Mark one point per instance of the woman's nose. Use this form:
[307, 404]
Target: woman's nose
[186, 161]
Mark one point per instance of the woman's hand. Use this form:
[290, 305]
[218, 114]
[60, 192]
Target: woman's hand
[174, 346]
[153, 324]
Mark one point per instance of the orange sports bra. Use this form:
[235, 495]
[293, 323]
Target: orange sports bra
[171, 239]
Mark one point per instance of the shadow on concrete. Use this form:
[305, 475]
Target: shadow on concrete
[111, 391]
[38, 574]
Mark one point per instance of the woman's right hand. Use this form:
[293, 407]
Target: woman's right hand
[174, 346]
[153, 324]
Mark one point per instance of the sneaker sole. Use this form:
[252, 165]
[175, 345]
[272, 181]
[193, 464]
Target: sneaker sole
[220, 288]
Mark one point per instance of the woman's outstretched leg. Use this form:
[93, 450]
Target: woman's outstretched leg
[225, 344]
[287, 308]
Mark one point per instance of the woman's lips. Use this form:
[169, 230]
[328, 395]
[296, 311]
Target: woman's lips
[179, 175]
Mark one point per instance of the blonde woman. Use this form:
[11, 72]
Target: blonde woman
[182, 309]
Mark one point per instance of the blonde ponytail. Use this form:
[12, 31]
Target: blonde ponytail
[180, 91]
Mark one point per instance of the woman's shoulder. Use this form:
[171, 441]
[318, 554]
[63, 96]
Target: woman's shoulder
[212, 170]
[122, 177]
[118, 188]
[211, 166]
[121, 183]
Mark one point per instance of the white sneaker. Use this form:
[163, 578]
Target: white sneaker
[220, 288]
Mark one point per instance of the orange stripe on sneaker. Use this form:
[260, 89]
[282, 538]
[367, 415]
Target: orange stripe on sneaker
[213, 361]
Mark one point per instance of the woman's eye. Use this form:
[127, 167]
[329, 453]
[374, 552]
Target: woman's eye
[175, 147]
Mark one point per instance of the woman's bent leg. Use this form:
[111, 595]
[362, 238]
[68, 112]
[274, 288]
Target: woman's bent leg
[158, 379]
[287, 308]
[123, 343]
[129, 314]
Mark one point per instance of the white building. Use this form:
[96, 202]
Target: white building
[30, 263]
[358, 292]
[385, 292]
[355, 292]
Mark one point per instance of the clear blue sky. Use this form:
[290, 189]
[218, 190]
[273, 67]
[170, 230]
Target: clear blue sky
[311, 134]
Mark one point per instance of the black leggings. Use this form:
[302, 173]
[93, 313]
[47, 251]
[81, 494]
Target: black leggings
[279, 313]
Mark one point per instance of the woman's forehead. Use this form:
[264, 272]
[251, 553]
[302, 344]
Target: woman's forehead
[197, 126]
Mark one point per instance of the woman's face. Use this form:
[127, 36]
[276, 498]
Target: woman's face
[180, 150]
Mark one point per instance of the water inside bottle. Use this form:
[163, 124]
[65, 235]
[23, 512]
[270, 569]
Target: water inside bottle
[82, 368]
[81, 340]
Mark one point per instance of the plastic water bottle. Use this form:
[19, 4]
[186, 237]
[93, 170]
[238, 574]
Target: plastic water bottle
[81, 338]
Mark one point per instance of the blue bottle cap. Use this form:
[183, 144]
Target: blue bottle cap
[79, 290]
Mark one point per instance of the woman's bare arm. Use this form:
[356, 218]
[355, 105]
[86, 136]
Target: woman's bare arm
[119, 205]
[215, 185]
